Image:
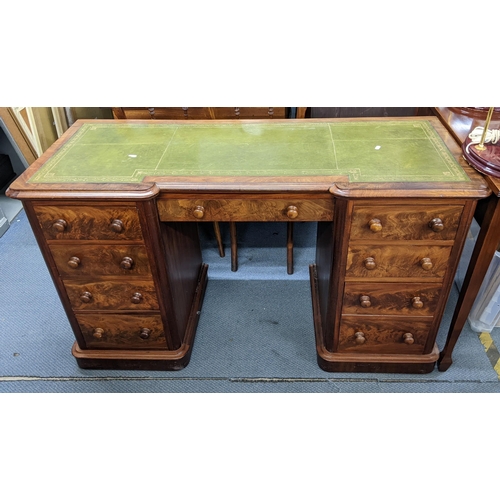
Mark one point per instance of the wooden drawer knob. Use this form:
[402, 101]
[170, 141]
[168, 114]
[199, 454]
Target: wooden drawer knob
[74, 262]
[199, 212]
[60, 225]
[86, 297]
[145, 333]
[292, 212]
[375, 225]
[136, 298]
[365, 301]
[417, 303]
[117, 226]
[408, 338]
[436, 225]
[426, 264]
[127, 263]
[369, 263]
[98, 333]
[359, 338]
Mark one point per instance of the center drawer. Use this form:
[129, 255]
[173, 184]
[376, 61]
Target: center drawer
[248, 208]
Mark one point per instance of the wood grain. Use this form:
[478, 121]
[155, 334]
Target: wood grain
[258, 209]
[391, 298]
[405, 222]
[100, 260]
[384, 334]
[397, 261]
[89, 222]
[111, 295]
[122, 331]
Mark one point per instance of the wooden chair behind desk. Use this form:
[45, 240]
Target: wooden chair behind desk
[216, 114]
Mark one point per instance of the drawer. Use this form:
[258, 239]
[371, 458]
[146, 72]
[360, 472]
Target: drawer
[122, 331]
[110, 295]
[86, 222]
[245, 209]
[405, 223]
[397, 261]
[383, 334]
[101, 260]
[416, 299]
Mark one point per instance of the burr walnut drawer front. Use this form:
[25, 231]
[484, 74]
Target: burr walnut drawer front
[109, 295]
[419, 299]
[397, 261]
[100, 260]
[383, 334]
[405, 223]
[122, 331]
[89, 222]
[245, 209]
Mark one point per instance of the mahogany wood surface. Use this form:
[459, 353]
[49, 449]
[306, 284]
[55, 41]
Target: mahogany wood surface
[397, 243]
[101, 295]
[89, 222]
[419, 299]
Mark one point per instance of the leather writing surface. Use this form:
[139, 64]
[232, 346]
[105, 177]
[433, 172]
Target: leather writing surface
[368, 151]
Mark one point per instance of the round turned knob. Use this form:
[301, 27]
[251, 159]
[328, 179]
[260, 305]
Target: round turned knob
[292, 212]
[359, 338]
[98, 333]
[199, 212]
[60, 225]
[417, 303]
[369, 263]
[436, 225]
[426, 264]
[136, 298]
[74, 262]
[145, 333]
[86, 297]
[375, 225]
[365, 301]
[408, 338]
[117, 226]
[127, 263]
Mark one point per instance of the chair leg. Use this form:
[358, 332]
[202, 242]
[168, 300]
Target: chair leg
[219, 239]
[234, 247]
[289, 248]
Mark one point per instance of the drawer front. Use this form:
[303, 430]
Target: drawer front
[397, 261]
[85, 222]
[101, 260]
[383, 335]
[122, 331]
[410, 223]
[418, 299]
[112, 295]
[244, 209]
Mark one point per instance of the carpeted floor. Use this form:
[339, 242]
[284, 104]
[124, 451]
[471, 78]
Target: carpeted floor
[255, 332]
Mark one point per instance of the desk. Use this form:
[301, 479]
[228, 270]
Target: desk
[114, 207]
[460, 122]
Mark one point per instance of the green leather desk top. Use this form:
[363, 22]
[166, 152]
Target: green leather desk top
[365, 151]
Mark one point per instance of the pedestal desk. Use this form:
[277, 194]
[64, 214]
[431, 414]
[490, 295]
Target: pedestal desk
[114, 207]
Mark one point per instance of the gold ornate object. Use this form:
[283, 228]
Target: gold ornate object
[481, 146]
